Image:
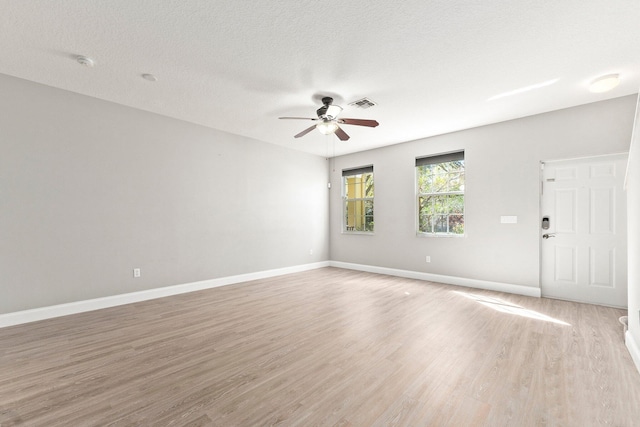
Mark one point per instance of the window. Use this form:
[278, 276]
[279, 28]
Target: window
[440, 184]
[357, 187]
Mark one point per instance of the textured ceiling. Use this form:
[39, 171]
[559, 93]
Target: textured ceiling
[432, 66]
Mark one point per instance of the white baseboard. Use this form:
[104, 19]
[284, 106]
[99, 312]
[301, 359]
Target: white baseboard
[43, 313]
[450, 280]
[634, 348]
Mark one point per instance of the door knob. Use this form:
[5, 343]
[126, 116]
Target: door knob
[547, 235]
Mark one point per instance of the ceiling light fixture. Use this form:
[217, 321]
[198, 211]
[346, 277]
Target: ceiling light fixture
[604, 83]
[85, 60]
[327, 127]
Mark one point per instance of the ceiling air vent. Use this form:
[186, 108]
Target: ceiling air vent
[363, 103]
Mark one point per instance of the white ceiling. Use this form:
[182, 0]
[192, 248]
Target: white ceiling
[431, 66]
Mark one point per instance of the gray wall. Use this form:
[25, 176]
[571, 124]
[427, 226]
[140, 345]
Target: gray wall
[90, 189]
[502, 167]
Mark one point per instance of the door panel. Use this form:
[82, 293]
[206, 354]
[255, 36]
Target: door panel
[602, 263]
[566, 210]
[583, 257]
[602, 210]
[565, 264]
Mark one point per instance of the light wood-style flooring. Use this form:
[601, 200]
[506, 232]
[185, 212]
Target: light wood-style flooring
[327, 347]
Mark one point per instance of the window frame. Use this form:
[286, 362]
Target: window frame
[353, 172]
[436, 159]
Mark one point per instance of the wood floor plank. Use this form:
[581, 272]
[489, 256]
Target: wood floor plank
[327, 347]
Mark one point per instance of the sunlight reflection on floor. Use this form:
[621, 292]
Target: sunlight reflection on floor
[510, 308]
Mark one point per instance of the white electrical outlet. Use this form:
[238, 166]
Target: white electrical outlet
[136, 272]
[310, 251]
[427, 258]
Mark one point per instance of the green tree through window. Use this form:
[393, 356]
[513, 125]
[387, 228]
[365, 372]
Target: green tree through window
[358, 199]
[440, 201]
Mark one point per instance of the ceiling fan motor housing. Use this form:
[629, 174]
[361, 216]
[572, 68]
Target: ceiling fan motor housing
[326, 102]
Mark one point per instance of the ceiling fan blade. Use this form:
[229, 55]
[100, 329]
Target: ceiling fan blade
[359, 122]
[304, 132]
[297, 118]
[341, 134]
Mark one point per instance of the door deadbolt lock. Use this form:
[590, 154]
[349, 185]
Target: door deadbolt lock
[545, 222]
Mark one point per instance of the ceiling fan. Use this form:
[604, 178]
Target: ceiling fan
[328, 121]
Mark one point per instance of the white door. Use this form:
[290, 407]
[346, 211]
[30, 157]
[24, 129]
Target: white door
[584, 249]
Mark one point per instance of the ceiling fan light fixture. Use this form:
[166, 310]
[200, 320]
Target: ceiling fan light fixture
[604, 83]
[327, 127]
[333, 111]
[327, 121]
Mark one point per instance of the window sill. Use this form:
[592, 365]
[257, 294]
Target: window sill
[439, 236]
[360, 233]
